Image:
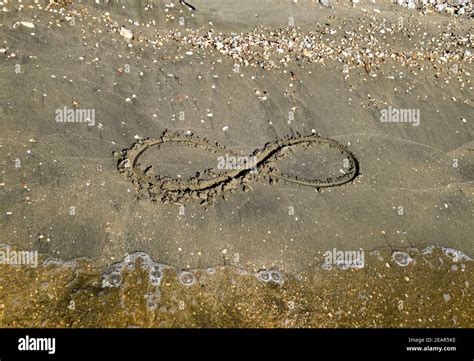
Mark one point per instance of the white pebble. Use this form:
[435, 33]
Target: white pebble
[28, 24]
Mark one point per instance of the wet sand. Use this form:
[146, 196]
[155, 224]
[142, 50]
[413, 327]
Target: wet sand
[426, 287]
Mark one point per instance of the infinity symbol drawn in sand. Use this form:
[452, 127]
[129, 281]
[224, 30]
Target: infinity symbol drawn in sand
[208, 185]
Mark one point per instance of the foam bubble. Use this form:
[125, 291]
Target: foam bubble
[187, 278]
[211, 271]
[263, 275]
[152, 300]
[266, 275]
[402, 259]
[276, 276]
[455, 255]
[155, 274]
[131, 259]
[112, 276]
[427, 250]
[52, 261]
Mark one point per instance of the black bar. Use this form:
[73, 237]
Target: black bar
[336, 344]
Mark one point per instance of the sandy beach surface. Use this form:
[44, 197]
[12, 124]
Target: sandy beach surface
[86, 82]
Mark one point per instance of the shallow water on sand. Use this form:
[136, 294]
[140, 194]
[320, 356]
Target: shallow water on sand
[426, 287]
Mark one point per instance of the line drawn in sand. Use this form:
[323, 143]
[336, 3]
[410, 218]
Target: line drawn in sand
[207, 186]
